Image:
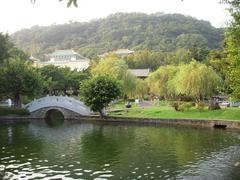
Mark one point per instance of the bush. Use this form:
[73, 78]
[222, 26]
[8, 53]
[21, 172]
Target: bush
[5, 111]
[201, 106]
[182, 106]
[175, 105]
[185, 106]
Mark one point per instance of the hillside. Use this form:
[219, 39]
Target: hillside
[136, 31]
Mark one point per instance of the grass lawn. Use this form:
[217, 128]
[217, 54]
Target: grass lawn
[165, 111]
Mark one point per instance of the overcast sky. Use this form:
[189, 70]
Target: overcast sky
[18, 14]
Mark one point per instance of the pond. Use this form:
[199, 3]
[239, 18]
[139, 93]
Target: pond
[108, 151]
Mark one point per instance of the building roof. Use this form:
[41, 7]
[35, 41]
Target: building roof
[63, 52]
[140, 72]
[66, 52]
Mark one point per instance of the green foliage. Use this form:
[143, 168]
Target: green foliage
[196, 79]
[145, 59]
[18, 78]
[5, 47]
[61, 80]
[185, 106]
[160, 81]
[99, 91]
[8, 49]
[195, 43]
[117, 69]
[200, 106]
[232, 39]
[5, 111]
[137, 31]
[141, 88]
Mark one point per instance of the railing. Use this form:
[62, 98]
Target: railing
[59, 101]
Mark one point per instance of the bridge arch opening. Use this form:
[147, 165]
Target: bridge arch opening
[54, 117]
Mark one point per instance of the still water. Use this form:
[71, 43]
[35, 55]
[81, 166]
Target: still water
[94, 151]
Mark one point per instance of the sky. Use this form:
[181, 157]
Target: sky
[19, 14]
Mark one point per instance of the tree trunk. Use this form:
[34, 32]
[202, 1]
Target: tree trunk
[17, 101]
[102, 114]
[213, 104]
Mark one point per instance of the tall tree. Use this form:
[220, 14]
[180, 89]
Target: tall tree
[19, 78]
[5, 47]
[159, 81]
[196, 80]
[232, 48]
[118, 70]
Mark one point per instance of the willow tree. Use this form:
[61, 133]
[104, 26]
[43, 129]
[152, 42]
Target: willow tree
[158, 81]
[118, 70]
[196, 80]
[141, 88]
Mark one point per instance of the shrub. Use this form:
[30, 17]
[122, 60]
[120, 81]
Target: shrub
[185, 106]
[175, 105]
[201, 106]
[4, 111]
[182, 106]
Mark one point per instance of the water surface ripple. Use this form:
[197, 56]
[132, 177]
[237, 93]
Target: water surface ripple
[93, 151]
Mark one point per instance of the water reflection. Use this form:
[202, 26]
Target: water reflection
[91, 151]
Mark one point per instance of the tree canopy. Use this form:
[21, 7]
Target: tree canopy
[232, 48]
[118, 70]
[99, 91]
[18, 78]
[136, 31]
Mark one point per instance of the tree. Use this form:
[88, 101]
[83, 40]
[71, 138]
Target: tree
[232, 48]
[141, 88]
[19, 78]
[195, 43]
[118, 70]
[98, 92]
[59, 80]
[159, 81]
[196, 80]
[5, 46]
[153, 32]
[55, 79]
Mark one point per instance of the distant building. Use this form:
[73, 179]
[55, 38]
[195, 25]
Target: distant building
[140, 73]
[67, 58]
[118, 52]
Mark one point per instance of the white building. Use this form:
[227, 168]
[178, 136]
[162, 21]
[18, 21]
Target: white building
[67, 58]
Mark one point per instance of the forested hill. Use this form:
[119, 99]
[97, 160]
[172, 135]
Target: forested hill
[136, 31]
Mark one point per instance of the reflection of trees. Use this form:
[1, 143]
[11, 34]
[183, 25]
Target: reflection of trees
[184, 144]
[105, 144]
[19, 140]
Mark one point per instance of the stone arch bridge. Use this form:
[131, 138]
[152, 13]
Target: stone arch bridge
[68, 106]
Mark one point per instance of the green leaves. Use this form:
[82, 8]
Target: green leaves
[99, 91]
[194, 79]
[18, 78]
[135, 31]
[232, 48]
